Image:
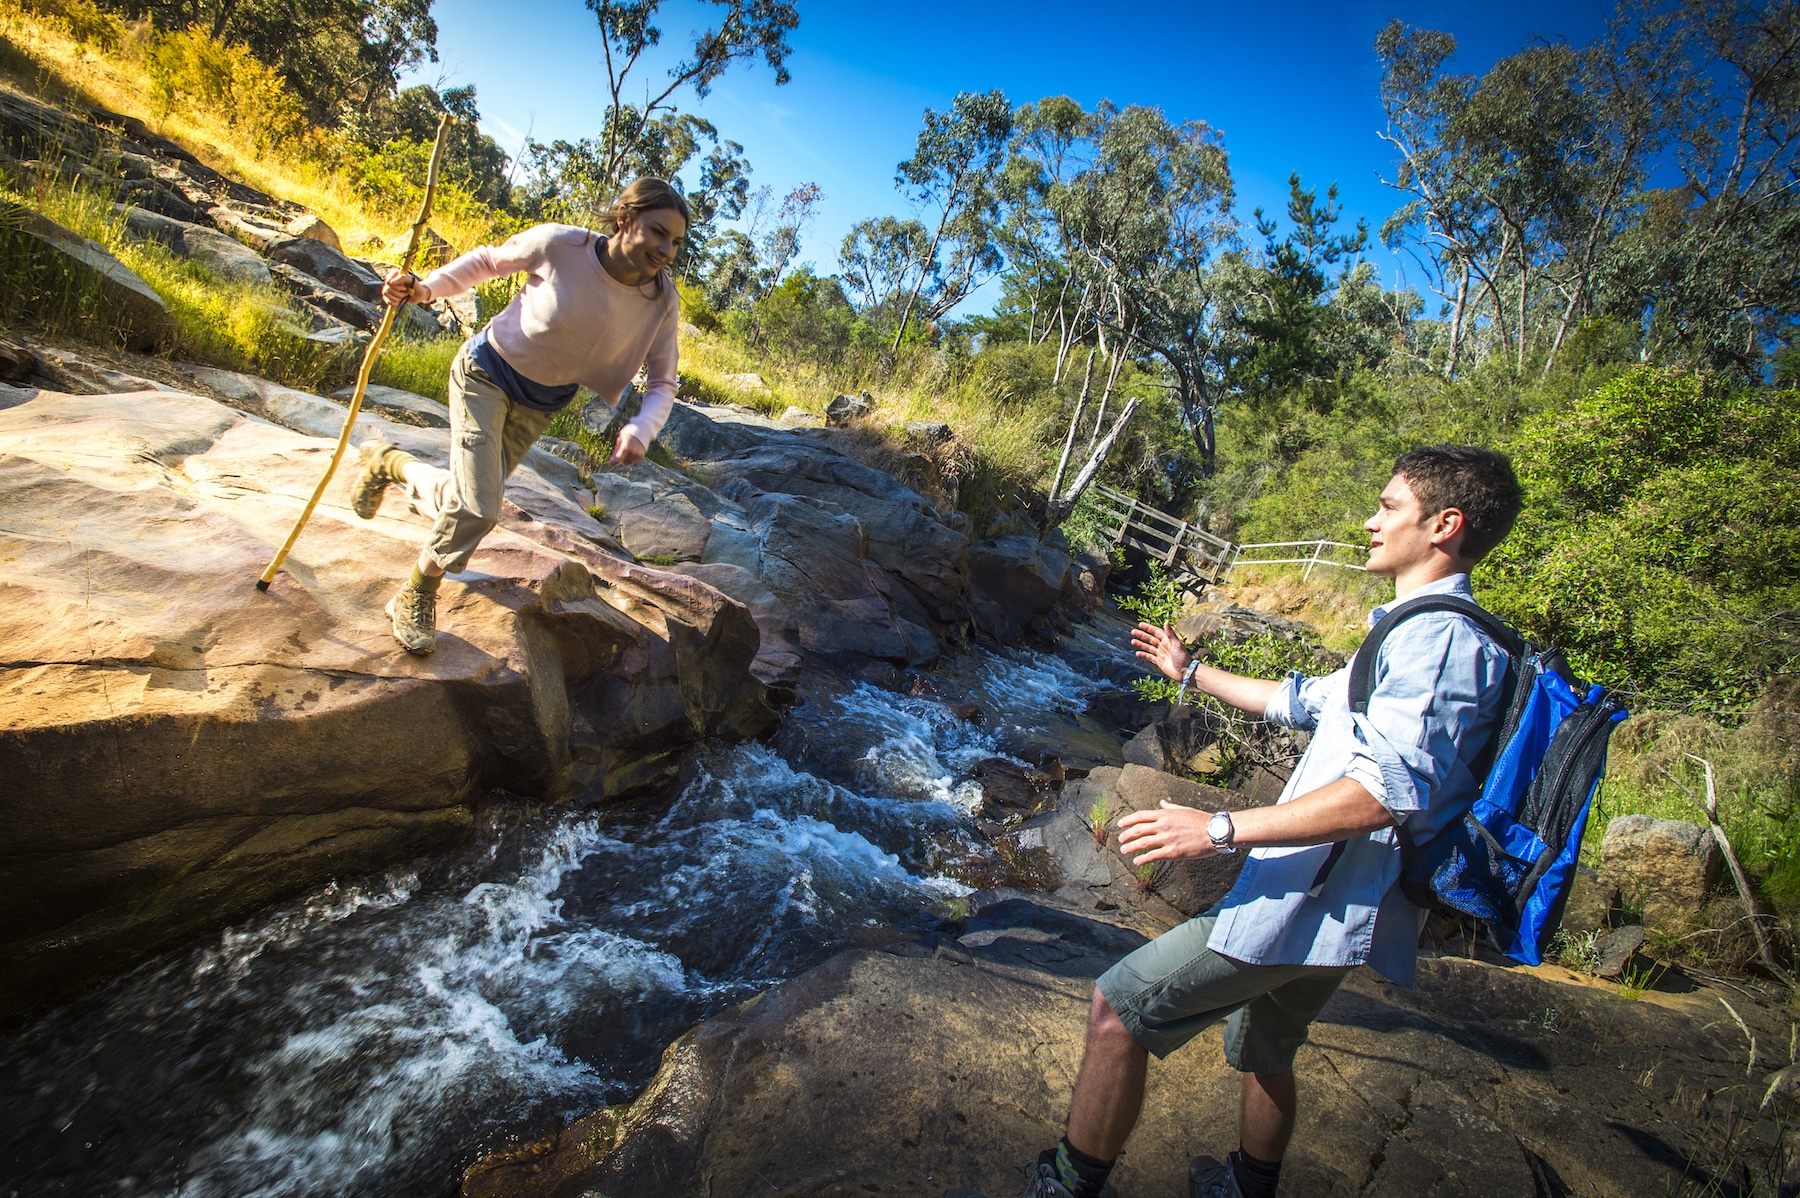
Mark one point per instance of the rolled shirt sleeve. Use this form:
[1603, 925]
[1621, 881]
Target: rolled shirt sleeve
[1298, 700]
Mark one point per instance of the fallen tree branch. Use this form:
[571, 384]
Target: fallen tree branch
[1710, 805]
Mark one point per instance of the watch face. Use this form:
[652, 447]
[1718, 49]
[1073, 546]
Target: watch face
[1219, 827]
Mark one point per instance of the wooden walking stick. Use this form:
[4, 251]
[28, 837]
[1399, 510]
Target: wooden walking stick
[368, 362]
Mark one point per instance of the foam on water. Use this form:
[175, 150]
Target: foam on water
[369, 1039]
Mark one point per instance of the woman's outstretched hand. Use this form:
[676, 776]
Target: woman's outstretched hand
[402, 288]
[1161, 648]
[628, 452]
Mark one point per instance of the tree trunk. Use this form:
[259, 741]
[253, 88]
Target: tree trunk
[1059, 509]
[227, 10]
[1456, 323]
[1074, 423]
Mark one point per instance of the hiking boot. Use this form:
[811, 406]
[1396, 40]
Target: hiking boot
[414, 614]
[1040, 1182]
[1212, 1178]
[372, 478]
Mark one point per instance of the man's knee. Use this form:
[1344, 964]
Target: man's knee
[1104, 1023]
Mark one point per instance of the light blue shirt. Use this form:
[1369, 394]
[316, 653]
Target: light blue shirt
[1439, 683]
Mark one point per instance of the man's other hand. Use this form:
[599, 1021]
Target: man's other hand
[1165, 834]
[628, 452]
[402, 288]
[1161, 648]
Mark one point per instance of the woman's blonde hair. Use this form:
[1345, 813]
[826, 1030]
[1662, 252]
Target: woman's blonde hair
[641, 196]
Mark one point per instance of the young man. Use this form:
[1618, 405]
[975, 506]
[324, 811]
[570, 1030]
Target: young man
[1274, 950]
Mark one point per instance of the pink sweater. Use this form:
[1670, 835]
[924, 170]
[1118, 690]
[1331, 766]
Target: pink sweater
[574, 323]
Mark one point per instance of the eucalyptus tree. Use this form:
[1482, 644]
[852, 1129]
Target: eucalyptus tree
[953, 172]
[1532, 187]
[747, 30]
[878, 259]
[1150, 214]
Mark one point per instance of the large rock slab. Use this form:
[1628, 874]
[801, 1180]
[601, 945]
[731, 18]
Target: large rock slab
[1663, 868]
[327, 264]
[223, 255]
[950, 1063]
[181, 748]
[1018, 581]
[131, 307]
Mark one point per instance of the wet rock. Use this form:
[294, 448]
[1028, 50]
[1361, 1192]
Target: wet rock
[309, 225]
[130, 305]
[183, 749]
[845, 408]
[1008, 787]
[223, 255]
[329, 266]
[1188, 886]
[1662, 867]
[1089, 572]
[16, 362]
[1016, 580]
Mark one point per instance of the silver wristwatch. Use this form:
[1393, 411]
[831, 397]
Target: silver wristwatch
[1220, 830]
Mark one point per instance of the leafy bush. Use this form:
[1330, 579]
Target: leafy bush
[1661, 542]
[189, 68]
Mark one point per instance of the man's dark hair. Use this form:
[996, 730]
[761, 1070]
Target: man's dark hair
[1477, 482]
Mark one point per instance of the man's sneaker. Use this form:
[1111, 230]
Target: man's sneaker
[414, 614]
[1210, 1178]
[1040, 1182]
[372, 478]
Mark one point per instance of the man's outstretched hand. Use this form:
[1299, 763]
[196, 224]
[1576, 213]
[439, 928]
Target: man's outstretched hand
[1164, 834]
[1161, 648]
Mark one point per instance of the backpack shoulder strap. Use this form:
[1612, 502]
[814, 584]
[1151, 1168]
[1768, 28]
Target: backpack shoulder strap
[1362, 667]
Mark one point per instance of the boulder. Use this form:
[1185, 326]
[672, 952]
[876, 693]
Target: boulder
[16, 362]
[905, 536]
[1614, 951]
[1239, 624]
[260, 233]
[432, 253]
[748, 381]
[657, 523]
[182, 749]
[801, 417]
[1663, 868]
[308, 225]
[131, 307]
[845, 408]
[223, 255]
[330, 266]
[1018, 581]
[928, 430]
[1591, 902]
[1016, 523]
[402, 407]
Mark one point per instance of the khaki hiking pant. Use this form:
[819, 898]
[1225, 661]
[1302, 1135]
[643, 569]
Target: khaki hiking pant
[489, 436]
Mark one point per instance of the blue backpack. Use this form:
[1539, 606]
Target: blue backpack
[1510, 860]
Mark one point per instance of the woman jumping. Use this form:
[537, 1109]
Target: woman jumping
[593, 309]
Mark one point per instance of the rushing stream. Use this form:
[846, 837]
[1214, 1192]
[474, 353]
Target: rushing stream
[370, 1039]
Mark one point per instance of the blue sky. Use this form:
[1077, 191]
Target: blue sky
[1292, 87]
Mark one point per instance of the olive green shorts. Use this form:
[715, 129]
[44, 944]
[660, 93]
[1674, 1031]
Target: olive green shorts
[1174, 988]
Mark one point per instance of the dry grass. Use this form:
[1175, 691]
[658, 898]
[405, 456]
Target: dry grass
[1336, 602]
[61, 67]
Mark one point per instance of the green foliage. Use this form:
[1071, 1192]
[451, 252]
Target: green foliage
[1158, 598]
[1661, 543]
[84, 21]
[186, 68]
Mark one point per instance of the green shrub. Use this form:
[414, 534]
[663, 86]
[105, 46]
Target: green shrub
[1660, 545]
